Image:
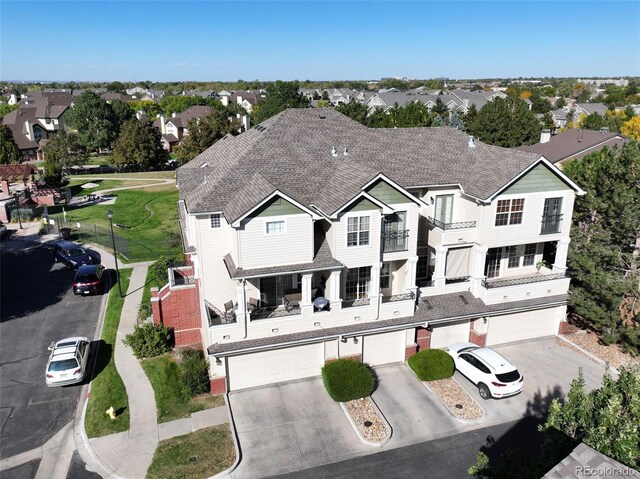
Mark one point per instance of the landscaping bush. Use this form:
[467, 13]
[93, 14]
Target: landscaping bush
[149, 340]
[432, 364]
[160, 267]
[346, 380]
[144, 312]
[194, 373]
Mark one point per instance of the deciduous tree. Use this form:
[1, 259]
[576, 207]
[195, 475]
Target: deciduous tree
[61, 151]
[179, 103]
[139, 144]
[506, 122]
[631, 128]
[355, 110]
[203, 134]
[93, 118]
[121, 113]
[280, 96]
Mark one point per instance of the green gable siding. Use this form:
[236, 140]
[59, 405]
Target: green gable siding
[386, 193]
[276, 206]
[538, 179]
[362, 204]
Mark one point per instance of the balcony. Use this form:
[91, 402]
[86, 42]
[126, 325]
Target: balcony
[550, 224]
[535, 278]
[450, 226]
[180, 276]
[217, 317]
[352, 303]
[398, 297]
[272, 313]
[395, 241]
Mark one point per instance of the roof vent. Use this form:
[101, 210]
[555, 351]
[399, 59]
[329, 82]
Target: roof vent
[204, 165]
[205, 179]
[471, 142]
[322, 115]
[346, 151]
[334, 152]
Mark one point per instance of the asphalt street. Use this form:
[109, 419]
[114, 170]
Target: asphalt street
[446, 458]
[37, 306]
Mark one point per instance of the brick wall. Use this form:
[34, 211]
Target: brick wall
[410, 351]
[423, 338]
[479, 339]
[354, 357]
[218, 385]
[566, 328]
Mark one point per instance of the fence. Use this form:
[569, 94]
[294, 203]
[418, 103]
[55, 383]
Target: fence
[89, 233]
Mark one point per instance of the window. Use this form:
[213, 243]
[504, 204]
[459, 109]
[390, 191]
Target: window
[514, 256]
[509, 212]
[215, 220]
[492, 266]
[358, 231]
[385, 272]
[551, 216]
[529, 254]
[275, 227]
[358, 283]
[444, 208]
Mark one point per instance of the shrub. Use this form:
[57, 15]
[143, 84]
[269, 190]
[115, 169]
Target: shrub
[432, 364]
[194, 373]
[149, 340]
[346, 379]
[160, 267]
[144, 312]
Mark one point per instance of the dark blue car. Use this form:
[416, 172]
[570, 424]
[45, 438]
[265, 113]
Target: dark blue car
[71, 254]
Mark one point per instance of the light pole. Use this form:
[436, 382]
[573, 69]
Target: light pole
[115, 255]
[16, 197]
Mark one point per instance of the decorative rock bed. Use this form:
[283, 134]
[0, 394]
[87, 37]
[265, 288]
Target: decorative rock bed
[456, 399]
[367, 421]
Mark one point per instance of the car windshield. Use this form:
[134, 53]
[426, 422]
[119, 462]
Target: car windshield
[509, 377]
[63, 365]
[76, 252]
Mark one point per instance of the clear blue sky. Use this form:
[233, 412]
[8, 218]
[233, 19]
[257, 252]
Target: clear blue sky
[227, 41]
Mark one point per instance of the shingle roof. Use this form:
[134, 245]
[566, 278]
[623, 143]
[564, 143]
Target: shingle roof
[586, 461]
[574, 143]
[292, 152]
[590, 108]
[451, 307]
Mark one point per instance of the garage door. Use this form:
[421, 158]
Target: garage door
[520, 326]
[384, 348]
[443, 336]
[268, 367]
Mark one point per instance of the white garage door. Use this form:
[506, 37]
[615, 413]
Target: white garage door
[275, 366]
[384, 348]
[443, 336]
[520, 326]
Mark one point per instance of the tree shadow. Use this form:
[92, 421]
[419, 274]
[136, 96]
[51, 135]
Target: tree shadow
[104, 353]
[538, 407]
[376, 379]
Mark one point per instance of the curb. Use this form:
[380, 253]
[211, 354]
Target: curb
[592, 356]
[357, 430]
[232, 427]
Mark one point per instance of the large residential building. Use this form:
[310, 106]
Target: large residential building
[311, 237]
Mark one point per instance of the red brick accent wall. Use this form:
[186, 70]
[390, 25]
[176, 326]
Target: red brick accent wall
[423, 338]
[565, 328]
[191, 337]
[155, 307]
[218, 385]
[410, 351]
[179, 309]
[355, 357]
[479, 339]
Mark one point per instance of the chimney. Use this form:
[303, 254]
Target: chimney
[239, 100]
[5, 187]
[545, 136]
[173, 115]
[471, 142]
[246, 122]
[29, 132]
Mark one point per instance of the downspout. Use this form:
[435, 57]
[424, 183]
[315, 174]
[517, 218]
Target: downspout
[244, 299]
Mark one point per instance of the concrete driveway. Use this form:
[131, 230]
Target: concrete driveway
[548, 366]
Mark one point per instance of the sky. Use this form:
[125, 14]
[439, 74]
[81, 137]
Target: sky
[305, 40]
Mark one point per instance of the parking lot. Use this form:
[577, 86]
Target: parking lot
[37, 307]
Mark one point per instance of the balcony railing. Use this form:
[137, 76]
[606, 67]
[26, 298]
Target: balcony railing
[451, 226]
[500, 283]
[550, 224]
[217, 317]
[352, 303]
[279, 312]
[460, 279]
[395, 241]
[180, 278]
[398, 297]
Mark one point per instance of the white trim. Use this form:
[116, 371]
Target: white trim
[219, 216]
[554, 169]
[313, 214]
[357, 214]
[363, 194]
[275, 219]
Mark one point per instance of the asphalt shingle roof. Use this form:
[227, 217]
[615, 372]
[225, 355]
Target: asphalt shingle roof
[292, 153]
[573, 143]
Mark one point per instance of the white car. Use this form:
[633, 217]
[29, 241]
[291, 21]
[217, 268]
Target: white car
[493, 374]
[68, 361]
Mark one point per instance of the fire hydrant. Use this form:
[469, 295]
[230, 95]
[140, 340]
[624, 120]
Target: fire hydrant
[111, 413]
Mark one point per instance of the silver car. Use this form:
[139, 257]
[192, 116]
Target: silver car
[68, 361]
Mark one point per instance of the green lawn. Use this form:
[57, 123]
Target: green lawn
[149, 217]
[169, 175]
[76, 190]
[99, 160]
[164, 375]
[201, 454]
[107, 388]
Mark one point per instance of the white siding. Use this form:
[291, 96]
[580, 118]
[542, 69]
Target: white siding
[355, 256]
[384, 348]
[521, 326]
[257, 249]
[443, 336]
[257, 369]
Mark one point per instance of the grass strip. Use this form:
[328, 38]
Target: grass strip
[107, 389]
[200, 454]
[164, 374]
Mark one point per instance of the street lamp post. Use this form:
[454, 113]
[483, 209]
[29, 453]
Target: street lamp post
[16, 197]
[115, 255]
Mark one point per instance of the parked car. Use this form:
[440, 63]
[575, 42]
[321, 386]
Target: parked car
[492, 373]
[68, 361]
[88, 279]
[71, 254]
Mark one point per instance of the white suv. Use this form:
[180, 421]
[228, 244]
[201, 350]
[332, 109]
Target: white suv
[493, 374]
[68, 361]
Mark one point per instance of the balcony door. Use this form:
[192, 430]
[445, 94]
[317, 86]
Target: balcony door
[395, 238]
[272, 289]
[492, 266]
[551, 215]
[444, 208]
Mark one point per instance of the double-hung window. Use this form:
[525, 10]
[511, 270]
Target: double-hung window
[276, 227]
[529, 254]
[522, 255]
[509, 212]
[358, 283]
[215, 220]
[358, 231]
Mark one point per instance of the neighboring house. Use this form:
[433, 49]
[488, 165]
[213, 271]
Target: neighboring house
[573, 143]
[98, 91]
[245, 99]
[588, 109]
[151, 95]
[174, 128]
[559, 118]
[311, 237]
[111, 95]
[201, 94]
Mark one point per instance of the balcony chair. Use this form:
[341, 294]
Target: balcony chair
[229, 312]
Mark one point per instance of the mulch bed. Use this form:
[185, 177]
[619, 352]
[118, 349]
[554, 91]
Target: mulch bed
[367, 418]
[453, 396]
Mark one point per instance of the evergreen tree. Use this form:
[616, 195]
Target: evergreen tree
[280, 96]
[506, 122]
[593, 122]
[547, 121]
[9, 152]
[440, 108]
[355, 110]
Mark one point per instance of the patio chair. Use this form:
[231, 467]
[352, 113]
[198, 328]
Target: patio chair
[253, 306]
[229, 312]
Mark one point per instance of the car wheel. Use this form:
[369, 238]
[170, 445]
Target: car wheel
[484, 392]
